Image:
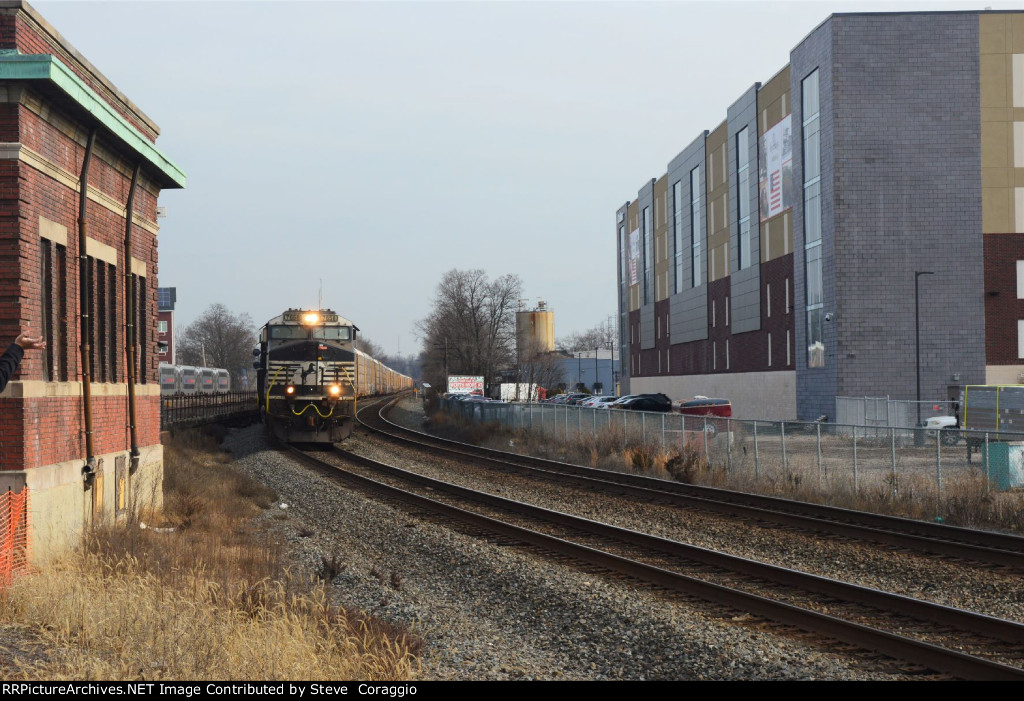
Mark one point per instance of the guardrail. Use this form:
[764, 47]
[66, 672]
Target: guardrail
[181, 409]
[835, 456]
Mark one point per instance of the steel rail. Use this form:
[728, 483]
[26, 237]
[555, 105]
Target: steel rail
[932, 656]
[969, 544]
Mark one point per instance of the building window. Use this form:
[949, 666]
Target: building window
[714, 305]
[648, 254]
[103, 323]
[161, 326]
[768, 297]
[622, 257]
[677, 234]
[1020, 339]
[695, 228]
[714, 355]
[726, 311]
[727, 354]
[769, 350]
[812, 221]
[1020, 279]
[54, 288]
[743, 198]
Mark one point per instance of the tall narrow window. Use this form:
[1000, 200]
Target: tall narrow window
[648, 254]
[677, 234]
[743, 198]
[695, 227]
[769, 350]
[624, 281]
[812, 221]
[46, 307]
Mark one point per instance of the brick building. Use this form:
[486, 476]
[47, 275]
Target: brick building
[775, 262]
[60, 120]
[167, 297]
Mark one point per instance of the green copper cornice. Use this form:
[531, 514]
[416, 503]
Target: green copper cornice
[15, 66]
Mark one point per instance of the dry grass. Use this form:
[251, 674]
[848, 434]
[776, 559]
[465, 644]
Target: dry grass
[964, 501]
[208, 601]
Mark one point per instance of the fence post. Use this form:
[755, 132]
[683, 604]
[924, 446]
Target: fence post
[892, 439]
[987, 485]
[757, 459]
[663, 432]
[565, 421]
[579, 423]
[938, 466]
[818, 425]
[643, 427]
[785, 460]
[707, 453]
[623, 413]
[593, 417]
[728, 444]
[855, 486]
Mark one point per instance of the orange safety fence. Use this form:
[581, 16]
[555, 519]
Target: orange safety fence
[14, 546]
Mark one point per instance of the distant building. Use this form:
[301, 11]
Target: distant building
[60, 113]
[774, 263]
[600, 366]
[166, 298]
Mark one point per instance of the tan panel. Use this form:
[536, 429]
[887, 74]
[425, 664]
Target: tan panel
[992, 34]
[995, 145]
[995, 177]
[995, 210]
[1015, 23]
[717, 199]
[138, 267]
[997, 114]
[58, 233]
[661, 237]
[993, 81]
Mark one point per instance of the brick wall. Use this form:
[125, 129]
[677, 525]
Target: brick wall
[46, 430]
[1002, 309]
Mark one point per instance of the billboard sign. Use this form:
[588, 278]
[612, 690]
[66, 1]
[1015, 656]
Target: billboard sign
[465, 384]
[634, 256]
[775, 176]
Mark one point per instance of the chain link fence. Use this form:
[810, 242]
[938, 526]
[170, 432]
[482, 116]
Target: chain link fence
[883, 411]
[877, 460]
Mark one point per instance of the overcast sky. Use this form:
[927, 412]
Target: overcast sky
[376, 145]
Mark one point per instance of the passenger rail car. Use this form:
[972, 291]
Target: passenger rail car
[310, 375]
[186, 379]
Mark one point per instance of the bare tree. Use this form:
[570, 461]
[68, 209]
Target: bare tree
[601, 336]
[369, 347]
[540, 368]
[471, 328]
[219, 339]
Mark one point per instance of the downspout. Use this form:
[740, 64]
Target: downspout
[85, 302]
[129, 313]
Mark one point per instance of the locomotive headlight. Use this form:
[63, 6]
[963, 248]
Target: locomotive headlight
[289, 390]
[310, 318]
[335, 390]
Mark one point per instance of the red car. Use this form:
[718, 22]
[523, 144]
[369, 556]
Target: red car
[705, 406]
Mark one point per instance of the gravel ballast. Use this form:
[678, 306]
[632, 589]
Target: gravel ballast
[490, 611]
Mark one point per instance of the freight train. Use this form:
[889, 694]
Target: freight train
[186, 379]
[310, 376]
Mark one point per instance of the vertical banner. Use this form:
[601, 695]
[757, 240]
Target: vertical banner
[775, 174]
[634, 256]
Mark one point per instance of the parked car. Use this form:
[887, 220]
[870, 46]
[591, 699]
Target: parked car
[646, 402]
[705, 406]
[577, 397]
[594, 402]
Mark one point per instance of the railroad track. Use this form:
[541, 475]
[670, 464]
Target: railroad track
[951, 641]
[917, 536]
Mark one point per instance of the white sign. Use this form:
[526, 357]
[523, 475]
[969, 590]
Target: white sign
[465, 384]
[634, 256]
[776, 169]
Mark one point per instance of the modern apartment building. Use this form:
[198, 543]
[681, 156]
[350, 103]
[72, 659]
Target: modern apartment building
[776, 261]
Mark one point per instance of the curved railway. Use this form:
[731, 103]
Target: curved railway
[920, 536]
[942, 638]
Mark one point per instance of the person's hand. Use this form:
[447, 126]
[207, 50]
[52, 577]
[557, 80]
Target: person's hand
[28, 342]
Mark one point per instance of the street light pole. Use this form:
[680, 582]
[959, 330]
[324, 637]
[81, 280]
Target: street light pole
[917, 336]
